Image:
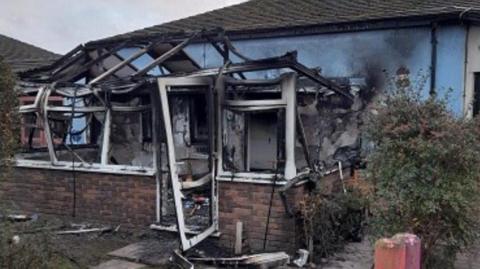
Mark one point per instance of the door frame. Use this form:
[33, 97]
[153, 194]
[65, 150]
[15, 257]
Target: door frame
[164, 86]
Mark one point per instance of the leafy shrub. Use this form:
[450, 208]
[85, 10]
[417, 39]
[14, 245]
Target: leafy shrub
[8, 118]
[332, 220]
[19, 251]
[424, 168]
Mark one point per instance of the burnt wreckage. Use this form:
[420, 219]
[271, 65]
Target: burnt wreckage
[94, 110]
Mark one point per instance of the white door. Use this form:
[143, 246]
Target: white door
[203, 85]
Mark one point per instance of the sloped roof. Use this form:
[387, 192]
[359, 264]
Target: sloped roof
[22, 56]
[264, 15]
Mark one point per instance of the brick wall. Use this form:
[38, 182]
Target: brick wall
[249, 203]
[130, 201]
[123, 199]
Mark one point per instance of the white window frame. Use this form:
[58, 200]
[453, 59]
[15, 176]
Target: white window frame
[287, 101]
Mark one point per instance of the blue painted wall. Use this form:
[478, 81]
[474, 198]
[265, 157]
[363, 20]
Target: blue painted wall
[375, 55]
[451, 65]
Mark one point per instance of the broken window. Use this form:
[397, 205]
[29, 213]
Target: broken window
[265, 141]
[190, 131]
[199, 122]
[254, 141]
[131, 136]
[32, 133]
[67, 127]
[257, 126]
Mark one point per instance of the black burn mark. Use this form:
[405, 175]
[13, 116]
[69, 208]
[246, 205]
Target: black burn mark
[403, 43]
[375, 78]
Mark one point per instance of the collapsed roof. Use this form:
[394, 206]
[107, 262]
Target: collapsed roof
[110, 71]
[102, 80]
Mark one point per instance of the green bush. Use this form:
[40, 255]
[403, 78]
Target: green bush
[331, 221]
[8, 118]
[17, 250]
[424, 167]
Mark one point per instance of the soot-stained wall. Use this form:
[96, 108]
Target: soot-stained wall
[373, 55]
[376, 56]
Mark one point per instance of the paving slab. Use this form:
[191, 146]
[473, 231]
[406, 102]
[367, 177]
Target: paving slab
[150, 252]
[119, 264]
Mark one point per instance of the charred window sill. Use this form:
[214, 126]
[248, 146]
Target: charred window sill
[91, 168]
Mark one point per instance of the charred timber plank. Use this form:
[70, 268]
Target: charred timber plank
[263, 260]
[238, 238]
[82, 231]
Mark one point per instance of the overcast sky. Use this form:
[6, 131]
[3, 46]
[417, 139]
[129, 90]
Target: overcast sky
[60, 25]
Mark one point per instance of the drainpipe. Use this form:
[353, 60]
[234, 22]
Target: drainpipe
[467, 104]
[433, 64]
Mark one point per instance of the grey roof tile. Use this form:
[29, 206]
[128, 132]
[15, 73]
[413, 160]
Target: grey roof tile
[277, 14]
[22, 56]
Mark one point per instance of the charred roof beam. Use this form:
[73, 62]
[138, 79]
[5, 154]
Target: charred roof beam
[288, 60]
[85, 67]
[224, 52]
[120, 65]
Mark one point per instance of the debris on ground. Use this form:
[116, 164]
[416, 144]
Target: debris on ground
[302, 258]
[263, 260]
[20, 217]
[86, 230]
[178, 259]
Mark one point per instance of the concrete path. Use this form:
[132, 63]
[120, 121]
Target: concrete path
[151, 252]
[119, 264]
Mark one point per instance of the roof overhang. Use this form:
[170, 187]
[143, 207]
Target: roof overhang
[460, 16]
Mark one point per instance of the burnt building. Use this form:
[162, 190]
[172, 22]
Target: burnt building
[193, 125]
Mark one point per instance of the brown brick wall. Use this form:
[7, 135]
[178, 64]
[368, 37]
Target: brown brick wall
[249, 203]
[124, 199]
[130, 201]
